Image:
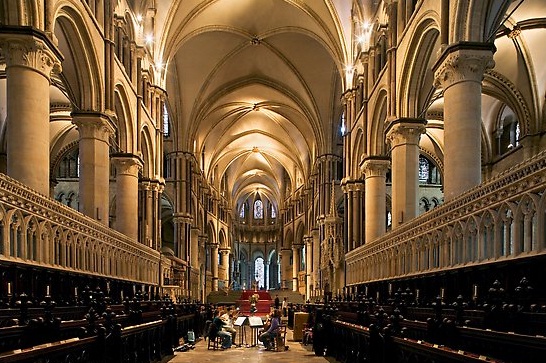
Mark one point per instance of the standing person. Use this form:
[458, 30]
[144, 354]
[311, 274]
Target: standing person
[277, 302]
[285, 307]
[269, 335]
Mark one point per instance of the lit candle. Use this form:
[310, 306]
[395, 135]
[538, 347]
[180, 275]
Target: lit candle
[9, 288]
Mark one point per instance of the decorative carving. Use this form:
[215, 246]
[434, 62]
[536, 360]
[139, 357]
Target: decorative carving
[463, 65]
[402, 132]
[514, 194]
[127, 165]
[26, 51]
[374, 167]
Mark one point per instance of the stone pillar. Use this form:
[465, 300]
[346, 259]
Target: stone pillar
[358, 213]
[459, 71]
[348, 191]
[308, 264]
[30, 58]
[375, 170]
[266, 275]
[94, 153]
[285, 267]
[214, 265]
[404, 135]
[127, 167]
[295, 266]
[316, 259]
[146, 200]
[225, 263]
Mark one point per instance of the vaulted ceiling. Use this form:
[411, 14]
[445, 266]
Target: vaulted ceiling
[255, 88]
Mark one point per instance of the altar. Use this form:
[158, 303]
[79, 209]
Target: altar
[263, 305]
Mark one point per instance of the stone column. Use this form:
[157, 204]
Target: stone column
[348, 191]
[460, 72]
[375, 170]
[358, 215]
[94, 153]
[225, 263]
[266, 275]
[30, 58]
[316, 258]
[308, 264]
[404, 135]
[127, 167]
[295, 266]
[285, 267]
[214, 265]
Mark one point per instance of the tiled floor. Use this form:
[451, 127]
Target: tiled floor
[296, 352]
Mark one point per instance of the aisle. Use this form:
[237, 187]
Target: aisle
[297, 352]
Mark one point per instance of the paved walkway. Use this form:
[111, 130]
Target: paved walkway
[296, 352]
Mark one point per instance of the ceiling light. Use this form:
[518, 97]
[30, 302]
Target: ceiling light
[255, 149]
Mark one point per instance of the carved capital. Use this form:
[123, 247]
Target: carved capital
[375, 166]
[463, 63]
[93, 125]
[127, 164]
[30, 51]
[405, 131]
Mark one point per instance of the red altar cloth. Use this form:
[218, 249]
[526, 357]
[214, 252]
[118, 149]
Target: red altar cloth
[264, 302]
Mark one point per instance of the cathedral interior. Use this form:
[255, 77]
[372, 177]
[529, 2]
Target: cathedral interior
[329, 148]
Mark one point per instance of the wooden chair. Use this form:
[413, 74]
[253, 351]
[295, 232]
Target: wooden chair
[214, 339]
[280, 339]
[215, 342]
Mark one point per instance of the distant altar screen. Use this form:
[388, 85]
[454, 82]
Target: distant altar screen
[240, 321]
[255, 321]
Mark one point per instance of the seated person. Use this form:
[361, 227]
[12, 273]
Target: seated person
[227, 318]
[216, 329]
[269, 335]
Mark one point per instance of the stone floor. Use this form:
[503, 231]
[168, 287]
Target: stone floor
[296, 352]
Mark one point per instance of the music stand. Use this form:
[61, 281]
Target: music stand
[255, 323]
[240, 324]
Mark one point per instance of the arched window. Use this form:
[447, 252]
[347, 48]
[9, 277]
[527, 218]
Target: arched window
[242, 211]
[273, 212]
[259, 272]
[428, 172]
[258, 209]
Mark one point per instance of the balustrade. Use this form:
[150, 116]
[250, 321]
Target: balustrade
[501, 219]
[46, 233]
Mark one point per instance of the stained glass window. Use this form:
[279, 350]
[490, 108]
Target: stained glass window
[258, 209]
